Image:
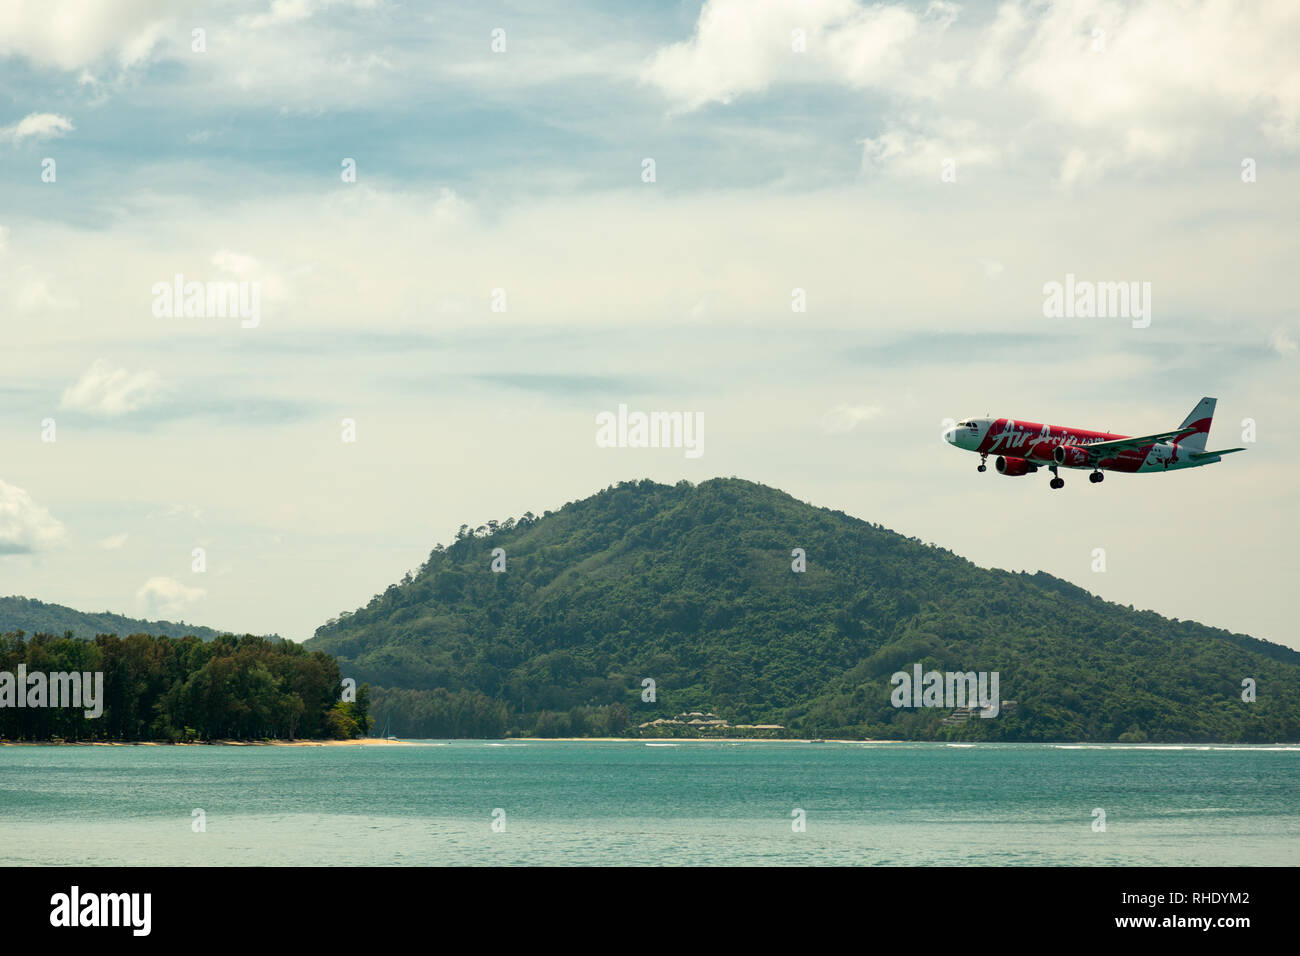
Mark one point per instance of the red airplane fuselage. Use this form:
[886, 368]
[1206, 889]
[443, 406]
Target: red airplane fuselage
[1036, 442]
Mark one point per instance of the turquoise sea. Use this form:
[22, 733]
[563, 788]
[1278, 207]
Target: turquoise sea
[623, 802]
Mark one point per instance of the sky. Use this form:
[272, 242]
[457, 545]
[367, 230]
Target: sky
[825, 226]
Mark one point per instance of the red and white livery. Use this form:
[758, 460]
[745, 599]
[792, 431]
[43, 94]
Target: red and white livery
[1023, 447]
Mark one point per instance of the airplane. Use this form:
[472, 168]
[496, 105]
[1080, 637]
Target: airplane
[1023, 447]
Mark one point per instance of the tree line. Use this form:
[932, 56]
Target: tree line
[184, 689]
[466, 713]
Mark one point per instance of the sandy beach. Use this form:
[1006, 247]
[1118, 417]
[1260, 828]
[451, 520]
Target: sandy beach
[381, 742]
[359, 742]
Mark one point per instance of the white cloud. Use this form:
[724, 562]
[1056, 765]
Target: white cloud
[73, 34]
[954, 147]
[746, 46]
[844, 418]
[25, 526]
[166, 597]
[113, 542]
[192, 512]
[94, 38]
[1282, 343]
[406, 268]
[272, 288]
[235, 263]
[1099, 83]
[1161, 61]
[107, 392]
[31, 292]
[37, 126]
[294, 11]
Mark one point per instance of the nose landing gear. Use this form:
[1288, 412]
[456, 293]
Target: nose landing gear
[982, 467]
[1057, 481]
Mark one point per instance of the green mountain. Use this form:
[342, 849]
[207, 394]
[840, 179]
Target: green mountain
[693, 587]
[37, 617]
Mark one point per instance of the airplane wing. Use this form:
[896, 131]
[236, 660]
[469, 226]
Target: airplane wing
[1215, 454]
[1104, 449]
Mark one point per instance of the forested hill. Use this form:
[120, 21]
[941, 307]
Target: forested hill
[37, 617]
[693, 587]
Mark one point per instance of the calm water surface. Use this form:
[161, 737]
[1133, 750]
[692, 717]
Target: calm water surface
[622, 802]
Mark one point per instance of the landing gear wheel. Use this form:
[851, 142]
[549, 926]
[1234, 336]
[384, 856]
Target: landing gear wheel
[1057, 483]
[982, 468]
[1096, 477]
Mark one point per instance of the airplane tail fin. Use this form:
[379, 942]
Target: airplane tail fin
[1199, 423]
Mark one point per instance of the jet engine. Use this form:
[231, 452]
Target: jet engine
[1072, 456]
[1014, 466]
